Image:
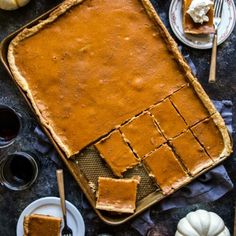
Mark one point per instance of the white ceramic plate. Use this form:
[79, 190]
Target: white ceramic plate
[205, 41]
[51, 206]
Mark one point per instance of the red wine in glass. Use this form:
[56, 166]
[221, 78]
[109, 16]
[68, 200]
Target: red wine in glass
[9, 125]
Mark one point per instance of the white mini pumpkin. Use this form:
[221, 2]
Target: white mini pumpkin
[202, 223]
[12, 4]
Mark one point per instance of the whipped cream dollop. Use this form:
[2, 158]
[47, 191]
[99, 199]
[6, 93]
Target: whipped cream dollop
[198, 10]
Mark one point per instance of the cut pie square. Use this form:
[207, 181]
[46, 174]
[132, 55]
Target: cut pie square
[189, 105]
[197, 28]
[116, 152]
[170, 122]
[165, 168]
[117, 195]
[210, 137]
[191, 152]
[42, 225]
[142, 134]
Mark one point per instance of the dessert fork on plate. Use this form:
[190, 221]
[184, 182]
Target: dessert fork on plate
[66, 231]
[218, 7]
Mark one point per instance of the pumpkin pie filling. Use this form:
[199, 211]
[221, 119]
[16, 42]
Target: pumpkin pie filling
[116, 152]
[168, 119]
[42, 225]
[134, 133]
[165, 169]
[91, 75]
[191, 152]
[117, 195]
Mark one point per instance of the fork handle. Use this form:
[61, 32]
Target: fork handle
[60, 182]
[212, 76]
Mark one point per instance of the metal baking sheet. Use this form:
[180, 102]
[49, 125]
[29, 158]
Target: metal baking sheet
[87, 166]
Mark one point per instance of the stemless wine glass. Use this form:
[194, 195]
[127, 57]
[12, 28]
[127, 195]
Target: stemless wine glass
[10, 125]
[18, 171]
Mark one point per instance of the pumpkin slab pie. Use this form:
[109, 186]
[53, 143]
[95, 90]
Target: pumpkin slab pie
[115, 61]
[165, 168]
[118, 195]
[134, 132]
[210, 137]
[191, 152]
[189, 106]
[116, 152]
[42, 225]
[168, 119]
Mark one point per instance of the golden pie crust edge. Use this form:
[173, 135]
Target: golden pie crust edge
[26, 225]
[171, 44]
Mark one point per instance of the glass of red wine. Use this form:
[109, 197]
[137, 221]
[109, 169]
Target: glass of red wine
[10, 125]
[18, 171]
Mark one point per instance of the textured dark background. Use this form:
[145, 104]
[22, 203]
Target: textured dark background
[12, 203]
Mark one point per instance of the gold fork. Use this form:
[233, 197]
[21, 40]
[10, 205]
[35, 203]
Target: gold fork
[218, 5]
[66, 231]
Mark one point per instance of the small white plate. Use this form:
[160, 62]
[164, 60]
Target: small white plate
[51, 206]
[202, 41]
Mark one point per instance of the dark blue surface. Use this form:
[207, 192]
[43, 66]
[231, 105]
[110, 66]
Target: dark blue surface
[12, 203]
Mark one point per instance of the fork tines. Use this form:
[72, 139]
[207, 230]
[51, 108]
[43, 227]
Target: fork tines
[218, 7]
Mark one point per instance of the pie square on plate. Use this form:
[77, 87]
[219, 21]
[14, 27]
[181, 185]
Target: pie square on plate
[42, 225]
[196, 28]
